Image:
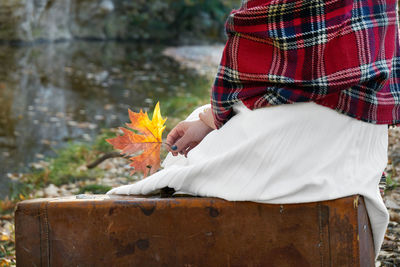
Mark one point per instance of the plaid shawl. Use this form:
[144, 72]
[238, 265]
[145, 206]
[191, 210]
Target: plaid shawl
[343, 54]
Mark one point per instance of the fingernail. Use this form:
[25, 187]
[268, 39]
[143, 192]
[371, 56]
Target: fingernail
[174, 147]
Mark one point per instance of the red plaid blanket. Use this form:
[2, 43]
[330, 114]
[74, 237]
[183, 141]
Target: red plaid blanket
[343, 54]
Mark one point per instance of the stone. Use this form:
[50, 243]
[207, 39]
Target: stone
[28, 21]
[51, 191]
[107, 6]
[39, 194]
[391, 204]
[8, 228]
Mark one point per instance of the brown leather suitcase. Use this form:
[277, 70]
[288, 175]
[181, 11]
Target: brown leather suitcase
[133, 231]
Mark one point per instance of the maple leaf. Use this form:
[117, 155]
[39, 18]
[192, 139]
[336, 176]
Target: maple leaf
[148, 142]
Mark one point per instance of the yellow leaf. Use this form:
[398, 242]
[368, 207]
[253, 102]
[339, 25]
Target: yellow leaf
[151, 129]
[5, 262]
[148, 141]
[4, 237]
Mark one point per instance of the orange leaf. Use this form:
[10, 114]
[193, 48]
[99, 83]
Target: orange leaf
[148, 141]
[5, 262]
[6, 204]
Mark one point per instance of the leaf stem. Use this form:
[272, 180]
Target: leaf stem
[165, 143]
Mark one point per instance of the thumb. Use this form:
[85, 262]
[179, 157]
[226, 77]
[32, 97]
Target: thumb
[182, 143]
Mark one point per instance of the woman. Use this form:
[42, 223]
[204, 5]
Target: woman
[337, 64]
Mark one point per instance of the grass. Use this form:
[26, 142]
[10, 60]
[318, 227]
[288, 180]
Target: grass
[69, 166]
[390, 183]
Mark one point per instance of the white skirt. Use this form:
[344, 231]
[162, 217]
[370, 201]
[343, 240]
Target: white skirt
[293, 153]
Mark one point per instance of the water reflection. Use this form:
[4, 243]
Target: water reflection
[50, 94]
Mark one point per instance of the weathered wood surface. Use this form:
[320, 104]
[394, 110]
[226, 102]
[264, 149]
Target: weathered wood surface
[131, 231]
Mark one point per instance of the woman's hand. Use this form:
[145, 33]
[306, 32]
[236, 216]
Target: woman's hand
[186, 135]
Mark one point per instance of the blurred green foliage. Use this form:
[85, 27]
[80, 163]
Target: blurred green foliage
[390, 183]
[67, 167]
[180, 20]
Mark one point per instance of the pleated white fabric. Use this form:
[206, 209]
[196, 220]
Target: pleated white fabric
[293, 153]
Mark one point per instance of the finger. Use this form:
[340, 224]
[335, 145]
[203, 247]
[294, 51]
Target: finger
[190, 147]
[182, 143]
[173, 136]
[174, 154]
[169, 147]
[172, 150]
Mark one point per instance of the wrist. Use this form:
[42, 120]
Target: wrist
[207, 118]
[204, 126]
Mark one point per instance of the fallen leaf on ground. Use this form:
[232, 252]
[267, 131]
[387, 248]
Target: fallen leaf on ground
[6, 204]
[148, 141]
[394, 216]
[4, 237]
[6, 217]
[5, 262]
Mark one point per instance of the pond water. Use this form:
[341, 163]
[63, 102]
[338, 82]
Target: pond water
[51, 94]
